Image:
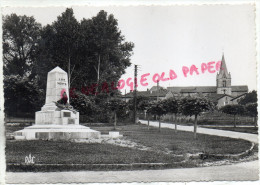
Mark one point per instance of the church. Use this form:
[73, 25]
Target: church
[222, 94]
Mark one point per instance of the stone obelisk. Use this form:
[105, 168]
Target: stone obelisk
[53, 122]
[57, 84]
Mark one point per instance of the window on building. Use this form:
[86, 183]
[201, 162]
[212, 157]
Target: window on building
[226, 101]
[224, 83]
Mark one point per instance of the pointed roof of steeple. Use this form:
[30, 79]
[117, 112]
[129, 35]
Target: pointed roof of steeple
[223, 67]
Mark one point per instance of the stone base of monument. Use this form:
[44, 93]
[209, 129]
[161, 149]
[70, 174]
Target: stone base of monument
[56, 117]
[56, 132]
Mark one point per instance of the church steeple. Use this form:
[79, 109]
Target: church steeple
[224, 79]
[223, 68]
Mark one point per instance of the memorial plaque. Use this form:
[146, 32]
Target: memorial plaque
[66, 114]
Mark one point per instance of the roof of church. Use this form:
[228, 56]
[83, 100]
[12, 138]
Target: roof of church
[223, 67]
[240, 88]
[240, 96]
[162, 93]
[190, 89]
[215, 97]
[205, 89]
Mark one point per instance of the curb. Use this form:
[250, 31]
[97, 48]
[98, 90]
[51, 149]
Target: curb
[221, 156]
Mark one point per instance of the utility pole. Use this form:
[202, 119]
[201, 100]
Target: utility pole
[157, 90]
[125, 95]
[135, 88]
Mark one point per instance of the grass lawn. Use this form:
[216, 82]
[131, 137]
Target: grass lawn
[250, 130]
[66, 152]
[180, 142]
[164, 144]
[9, 127]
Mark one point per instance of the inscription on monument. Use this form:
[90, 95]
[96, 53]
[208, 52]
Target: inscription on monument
[66, 114]
[61, 83]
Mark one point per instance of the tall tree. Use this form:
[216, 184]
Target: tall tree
[60, 45]
[21, 36]
[194, 106]
[105, 49]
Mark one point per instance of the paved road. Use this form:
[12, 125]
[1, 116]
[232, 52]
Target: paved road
[225, 133]
[236, 172]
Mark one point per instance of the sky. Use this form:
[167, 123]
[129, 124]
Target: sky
[170, 37]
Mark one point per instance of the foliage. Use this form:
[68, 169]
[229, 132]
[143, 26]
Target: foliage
[233, 109]
[84, 104]
[172, 105]
[22, 96]
[251, 109]
[91, 51]
[104, 49]
[195, 105]
[59, 46]
[117, 106]
[250, 97]
[21, 35]
[141, 103]
[158, 108]
[144, 105]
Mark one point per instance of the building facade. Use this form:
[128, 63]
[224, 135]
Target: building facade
[222, 94]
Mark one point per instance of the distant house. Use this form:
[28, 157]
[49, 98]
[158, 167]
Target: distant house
[152, 93]
[222, 94]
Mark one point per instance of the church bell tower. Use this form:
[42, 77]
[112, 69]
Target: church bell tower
[224, 79]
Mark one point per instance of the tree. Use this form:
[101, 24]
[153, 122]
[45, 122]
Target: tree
[104, 48]
[84, 104]
[148, 108]
[233, 110]
[141, 102]
[117, 107]
[195, 106]
[21, 36]
[250, 97]
[251, 110]
[60, 45]
[22, 96]
[92, 51]
[159, 109]
[172, 105]
[250, 103]
[144, 105]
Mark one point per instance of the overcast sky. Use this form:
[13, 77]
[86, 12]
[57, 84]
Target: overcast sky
[169, 37]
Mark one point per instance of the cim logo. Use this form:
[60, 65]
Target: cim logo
[29, 159]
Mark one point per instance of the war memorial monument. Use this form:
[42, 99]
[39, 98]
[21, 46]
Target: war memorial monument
[55, 122]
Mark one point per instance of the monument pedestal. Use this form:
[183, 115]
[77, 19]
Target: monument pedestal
[53, 123]
[56, 132]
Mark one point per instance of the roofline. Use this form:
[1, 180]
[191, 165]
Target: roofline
[238, 96]
[224, 96]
